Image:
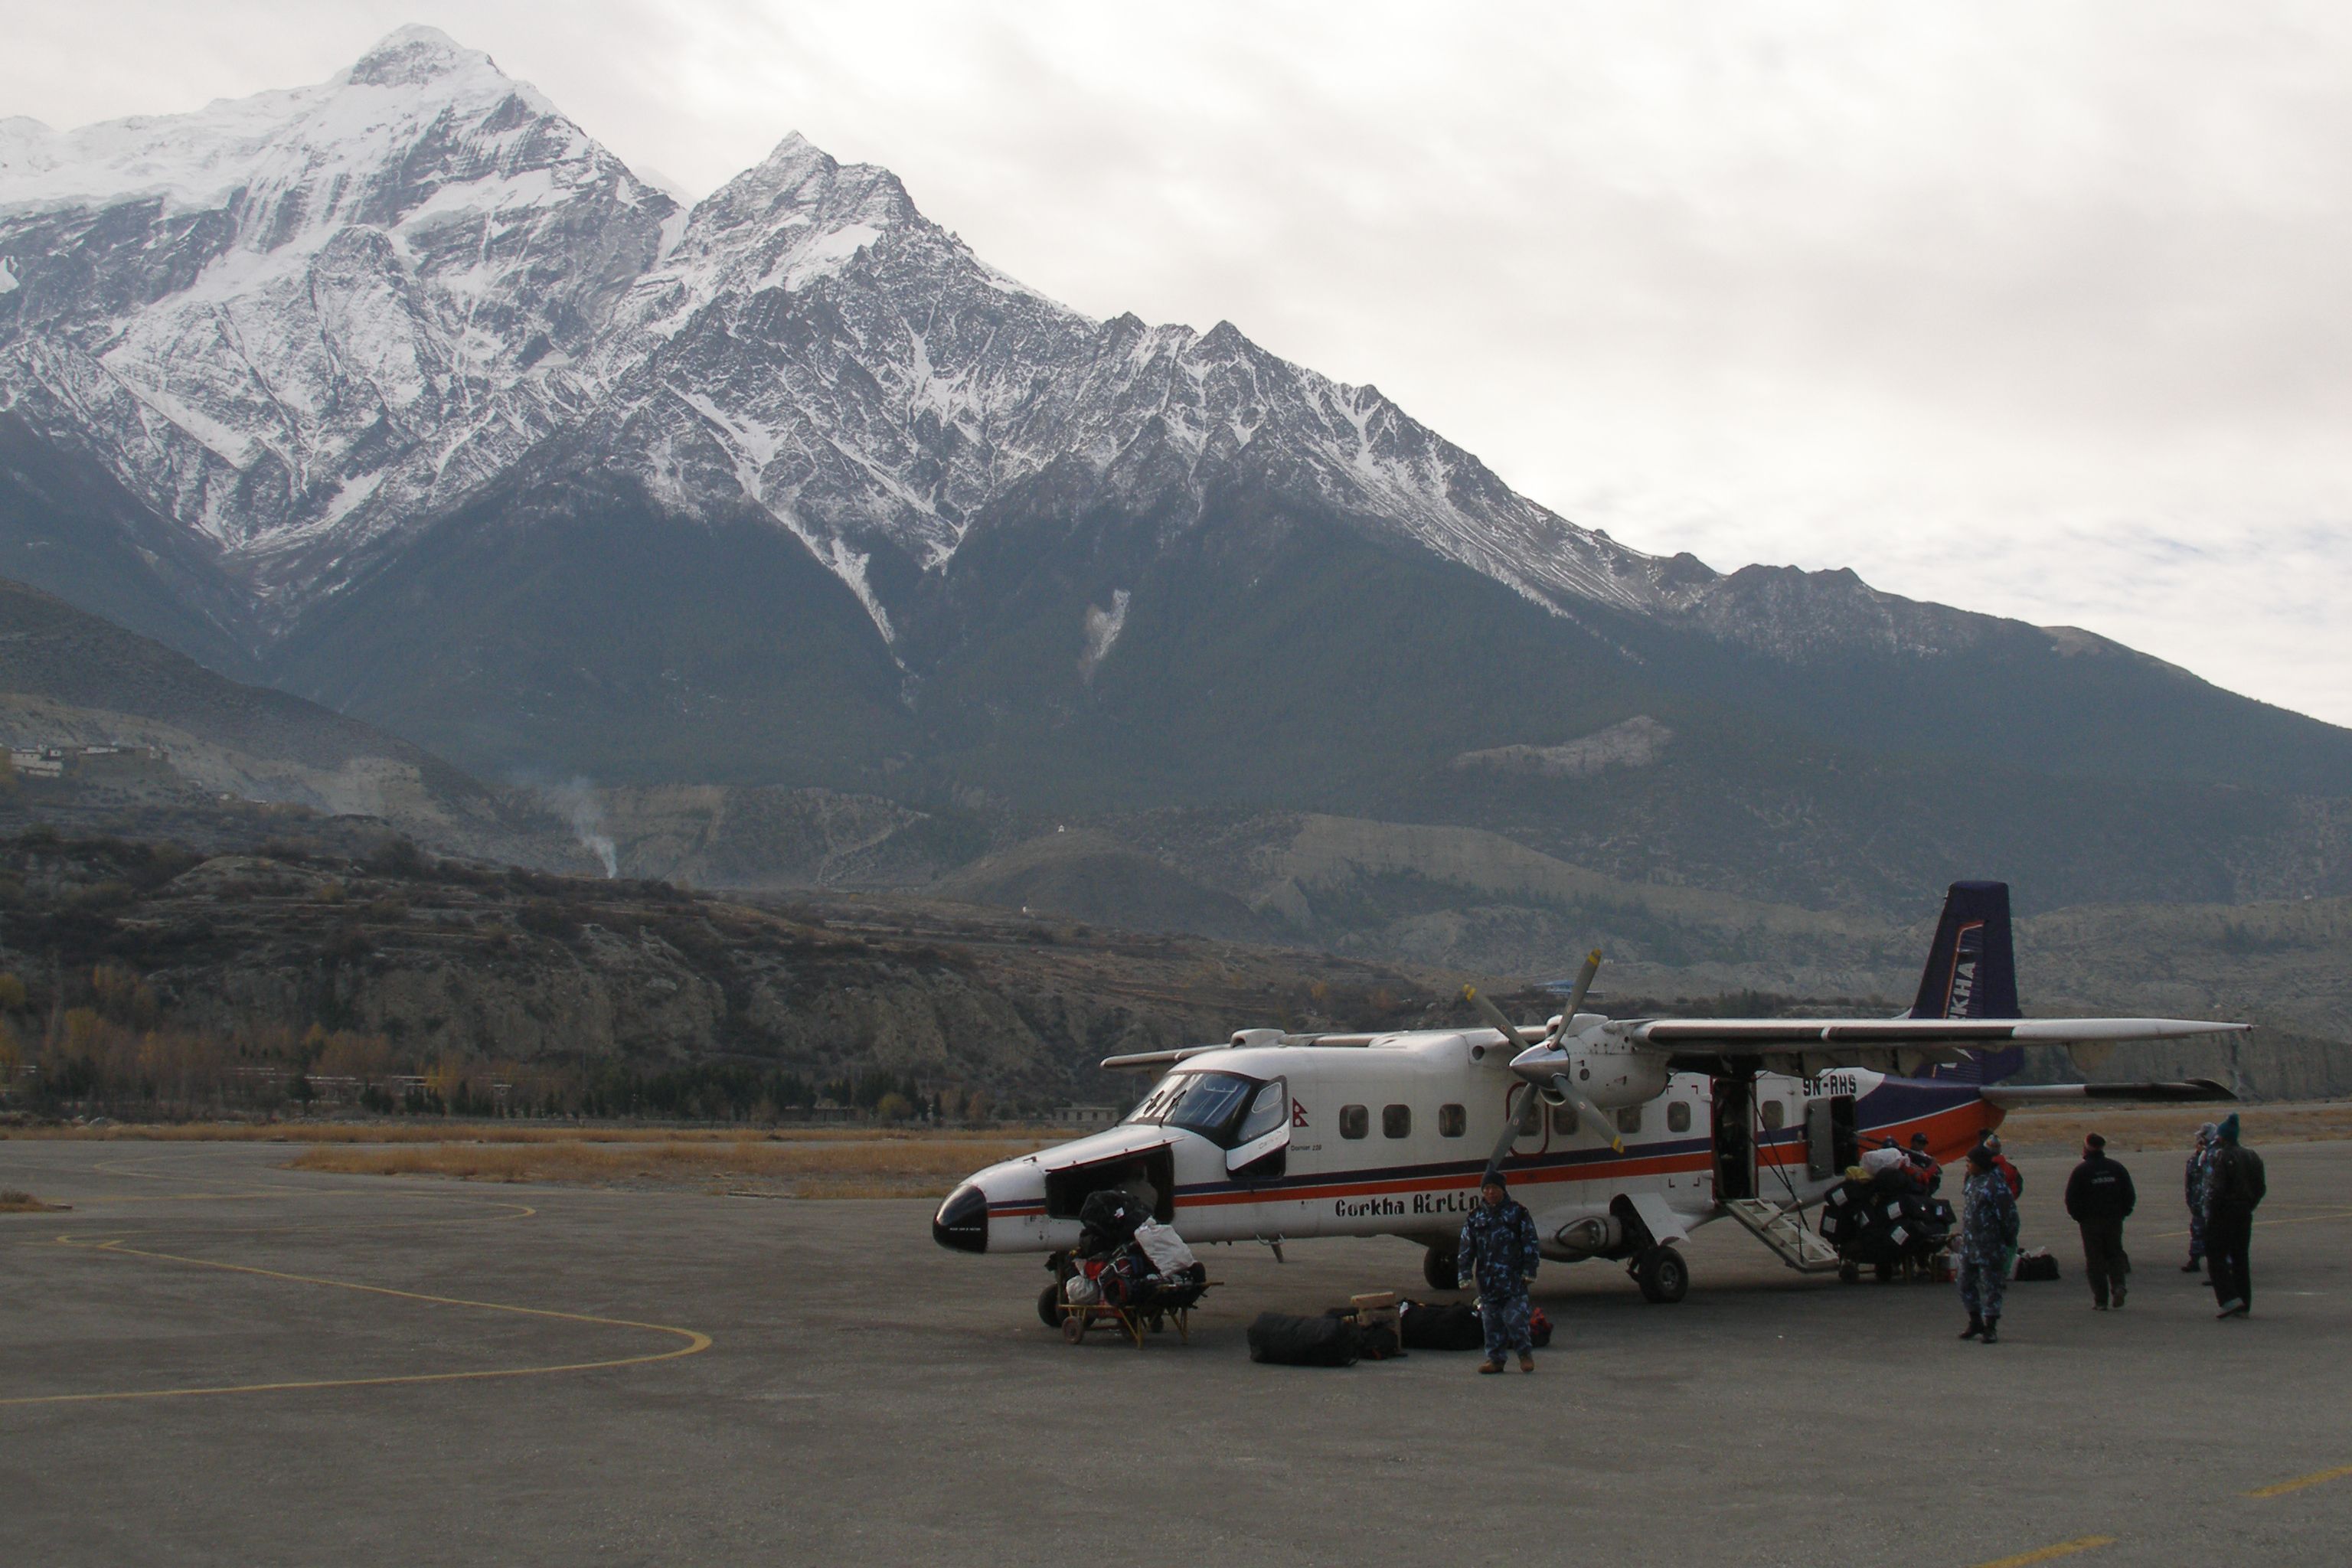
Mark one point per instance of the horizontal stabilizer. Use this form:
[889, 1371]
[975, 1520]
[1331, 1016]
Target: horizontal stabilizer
[2190, 1090]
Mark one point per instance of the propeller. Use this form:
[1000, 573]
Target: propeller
[1513, 1127]
[1583, 984]
[1592, 1115]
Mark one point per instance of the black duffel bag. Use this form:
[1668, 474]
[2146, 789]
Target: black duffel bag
[1112, 1214]
[1440, 1326]
[1281, 1339]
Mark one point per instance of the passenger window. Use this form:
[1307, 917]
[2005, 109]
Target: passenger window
[1396, 1121]
[1630, 1118]
[1678, 1116]
[1563, 1121]
[1451, 1121]
[1354, 1122]
[1773, 1113]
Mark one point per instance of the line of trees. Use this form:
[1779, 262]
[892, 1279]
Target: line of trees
[112, 1056]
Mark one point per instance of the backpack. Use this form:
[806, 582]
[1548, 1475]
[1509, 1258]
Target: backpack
[1538, 1328]
[1280, 1339]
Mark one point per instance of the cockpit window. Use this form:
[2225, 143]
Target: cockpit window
[1269, 1110]
[1219, 1106]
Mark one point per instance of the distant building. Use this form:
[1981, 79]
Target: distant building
[87, 762]
[1084, 1116]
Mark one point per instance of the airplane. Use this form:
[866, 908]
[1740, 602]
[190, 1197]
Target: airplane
[1621, 1136]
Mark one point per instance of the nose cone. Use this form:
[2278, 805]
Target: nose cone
[963, 1221]
[1539, 1064]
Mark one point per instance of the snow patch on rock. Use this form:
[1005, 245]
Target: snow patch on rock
[1103, 628]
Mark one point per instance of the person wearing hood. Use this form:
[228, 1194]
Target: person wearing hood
[1497, 1253]
[2234, 1187]
[1988, 1230]
[2099, 1197]
[2200, 1155]
[2009, 1173]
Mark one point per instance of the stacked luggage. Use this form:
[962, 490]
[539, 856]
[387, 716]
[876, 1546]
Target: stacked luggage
[1127, 1259]
[1886, 1220]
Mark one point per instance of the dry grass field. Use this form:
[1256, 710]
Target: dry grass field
[820, 1166]
[440, 1131]
[2173, 1126]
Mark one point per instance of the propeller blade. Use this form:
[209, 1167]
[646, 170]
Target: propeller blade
[1494, 1016]
[1514, 1128]
[1583, 985]
[1592, 1114]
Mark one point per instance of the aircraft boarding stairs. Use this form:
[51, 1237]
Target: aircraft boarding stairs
[1784, 1231]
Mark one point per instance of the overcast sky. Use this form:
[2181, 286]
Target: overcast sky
[2040, 310]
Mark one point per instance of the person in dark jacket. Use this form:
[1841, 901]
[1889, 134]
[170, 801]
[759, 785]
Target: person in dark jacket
[2099, 1197]
[2233, 1188]
[1497, 1251]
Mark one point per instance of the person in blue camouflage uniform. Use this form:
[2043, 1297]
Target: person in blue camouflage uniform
[2193, 1189]
[1497, 1251]
[1988, 1230]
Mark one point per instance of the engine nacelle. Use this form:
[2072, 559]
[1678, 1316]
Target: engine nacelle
[1613, 1077]
[1594, 1236]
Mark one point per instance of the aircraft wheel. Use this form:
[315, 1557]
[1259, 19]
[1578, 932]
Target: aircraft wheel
[1849, 1272]
[1437, 1266]
[1049, 1306]
[1663, 1275]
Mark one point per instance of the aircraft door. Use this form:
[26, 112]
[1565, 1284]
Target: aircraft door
[1261, 1150]
[1832, 1143]
[1733, 1119]
[1526, 1107]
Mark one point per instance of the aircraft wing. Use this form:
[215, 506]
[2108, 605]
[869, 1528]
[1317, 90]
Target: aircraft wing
[1897, 1045]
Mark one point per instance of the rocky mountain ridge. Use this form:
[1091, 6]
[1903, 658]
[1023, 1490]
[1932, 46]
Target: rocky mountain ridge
[402, 394]
[297, 324]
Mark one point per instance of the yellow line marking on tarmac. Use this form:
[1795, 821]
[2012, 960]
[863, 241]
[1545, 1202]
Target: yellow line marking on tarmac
[696, 1341]
[2052, 1553]
[2297, 1485]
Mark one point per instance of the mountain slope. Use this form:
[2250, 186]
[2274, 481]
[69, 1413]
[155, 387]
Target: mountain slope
[70, 679]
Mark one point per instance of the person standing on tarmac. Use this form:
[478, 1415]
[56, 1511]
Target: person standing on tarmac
[1497, 1251]
[1988, 1230]
[2099, 1198]
[2193, 1188]
[2009, 1173]
[1929, 1174]
[2234, 1187]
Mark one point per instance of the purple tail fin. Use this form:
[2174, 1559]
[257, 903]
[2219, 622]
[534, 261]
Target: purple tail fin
[1971, 973]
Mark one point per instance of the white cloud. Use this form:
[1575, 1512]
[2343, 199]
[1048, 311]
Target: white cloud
[2035, 310]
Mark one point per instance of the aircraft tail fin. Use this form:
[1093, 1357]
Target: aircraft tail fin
[1971, 973]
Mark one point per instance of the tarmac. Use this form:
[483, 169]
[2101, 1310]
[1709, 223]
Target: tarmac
[211, 1359]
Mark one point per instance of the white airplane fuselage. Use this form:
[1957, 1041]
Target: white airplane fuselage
[1392, 1138]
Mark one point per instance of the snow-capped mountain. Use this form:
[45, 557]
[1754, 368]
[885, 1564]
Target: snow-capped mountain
[401, 392]
[266, 315]
[296, 321]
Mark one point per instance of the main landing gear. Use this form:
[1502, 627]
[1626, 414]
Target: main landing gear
[1663, 1275]
[1437, 1266]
